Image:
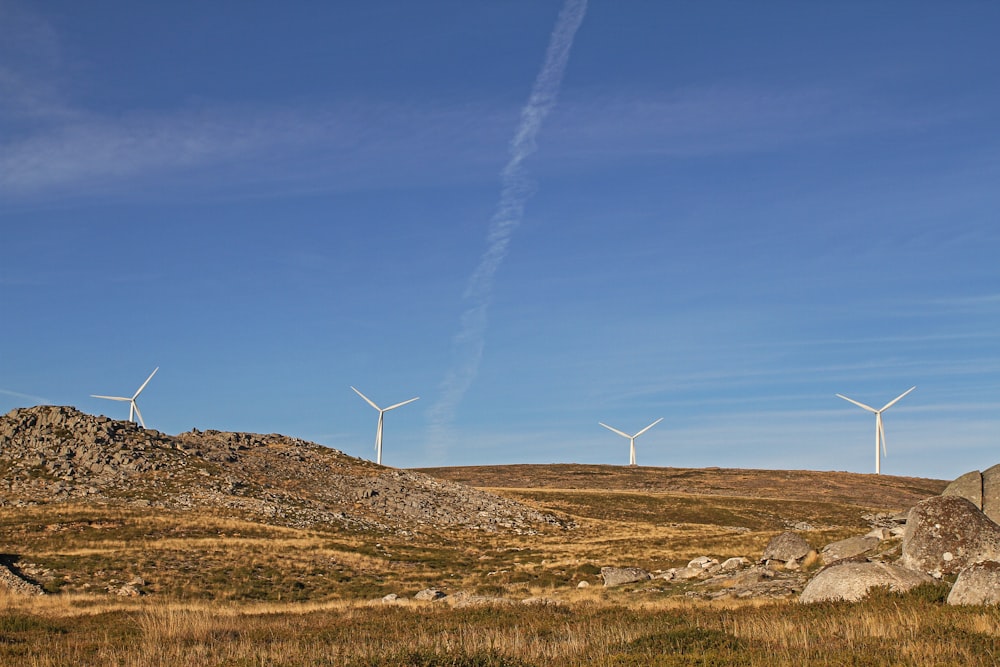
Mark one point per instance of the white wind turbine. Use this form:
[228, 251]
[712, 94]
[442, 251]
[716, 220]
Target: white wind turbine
[879, 429]
[381, 415]
[133, 408]
[631, 438]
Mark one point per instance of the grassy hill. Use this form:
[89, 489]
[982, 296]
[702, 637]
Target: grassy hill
[213, 548]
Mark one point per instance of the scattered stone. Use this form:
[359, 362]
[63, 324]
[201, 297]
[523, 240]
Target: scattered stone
[15, 584]
[852, 546]
[685, 573]
[785, 547]
[391, 597]
[583, 584]
[704, 562]
[128, 591]
[429, 594]
[948, 525]
[618, 576]
[733, 564]
[977, 584]
[851, 581]
[879, 533]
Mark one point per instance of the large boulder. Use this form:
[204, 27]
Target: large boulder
[852, 546]
[851, 581]
[786, 547]
[616, 576]
[946, 534]
[977, 584]
[991, 493]
[968, 486]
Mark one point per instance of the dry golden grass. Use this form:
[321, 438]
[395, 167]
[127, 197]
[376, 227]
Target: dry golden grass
[221, 590]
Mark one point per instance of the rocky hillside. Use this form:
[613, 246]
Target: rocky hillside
[53, 453]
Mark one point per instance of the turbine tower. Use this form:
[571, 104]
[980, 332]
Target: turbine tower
[631, 438]
[133, 408]
[879, 429]
[381, 415]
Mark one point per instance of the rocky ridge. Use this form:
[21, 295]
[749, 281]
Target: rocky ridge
[57, 453]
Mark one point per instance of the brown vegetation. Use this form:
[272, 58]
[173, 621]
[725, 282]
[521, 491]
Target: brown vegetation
[218, 585]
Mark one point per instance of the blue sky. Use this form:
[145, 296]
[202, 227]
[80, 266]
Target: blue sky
[727, 213]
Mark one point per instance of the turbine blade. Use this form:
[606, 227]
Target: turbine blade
[367, 400]
[393, 407]
[612, 428]
[111, 398]
[648, 427]
[138, 414]
[893, 401]
[139, 390]
[881, 432]
[860, 405]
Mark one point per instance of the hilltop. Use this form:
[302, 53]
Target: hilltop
[884, 491]
[53, 453]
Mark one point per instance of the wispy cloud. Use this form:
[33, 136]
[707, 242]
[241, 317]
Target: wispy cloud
[515, 191]
[38, 400]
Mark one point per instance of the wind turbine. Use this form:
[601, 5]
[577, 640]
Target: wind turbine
[381, 415]
[631, 438]
[879, 429]
[133, 408]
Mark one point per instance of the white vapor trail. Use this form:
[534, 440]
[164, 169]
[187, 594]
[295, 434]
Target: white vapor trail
[28, 397]
[514, 192]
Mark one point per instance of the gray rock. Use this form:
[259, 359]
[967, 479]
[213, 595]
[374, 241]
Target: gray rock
[429, 594]
[391, 597]
[733, 564]
[785, 547]
[583, 584]
[946, 534]
[977, 584]
[15, 584]
[851, 581]
[685, 573]
[879, 533]
[991, 493]
[968, 486]
[852, 546]
[617, 576]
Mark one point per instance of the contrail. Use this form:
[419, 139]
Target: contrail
[16, 394]
[514, 192]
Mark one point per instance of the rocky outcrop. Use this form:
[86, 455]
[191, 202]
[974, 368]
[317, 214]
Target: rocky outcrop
[13, 583]
[786, 547]
[982, 489]
[618, 576]
[991, 493]
[852, 581]
[849, 548]
[968, 486]
[53, 453]
[946, 534]
[977, 584]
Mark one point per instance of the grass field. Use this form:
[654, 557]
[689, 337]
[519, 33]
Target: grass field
[219, 590]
